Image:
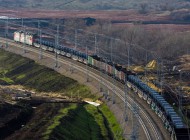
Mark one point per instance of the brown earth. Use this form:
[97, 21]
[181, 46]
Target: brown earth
[38, 122]
[100, 14]
[155, 27]
[184, 63]
[109, 15]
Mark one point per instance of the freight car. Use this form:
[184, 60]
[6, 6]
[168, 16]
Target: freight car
[171, 120]
[24, 37]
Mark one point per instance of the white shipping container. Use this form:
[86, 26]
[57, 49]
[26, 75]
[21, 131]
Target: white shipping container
[22, 37]
[29, 39]
[17, 36]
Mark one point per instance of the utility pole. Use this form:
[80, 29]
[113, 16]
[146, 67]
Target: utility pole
[41, 56]
[95, 44]
[76, 36]
[100, 66]
[24, 47]
[158, 70]
[162, 78]
[146, 80]
[180, 92]
[40, 35]
[76, 44]
[7, 31]
[135, 124]
[56, 46]
[125, 102]
[38, 27]
[22, 22]
[128, 54]
[100, 82]
[87, 76]
[113, 67]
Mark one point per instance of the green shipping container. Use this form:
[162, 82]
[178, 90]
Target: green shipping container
[90, 61]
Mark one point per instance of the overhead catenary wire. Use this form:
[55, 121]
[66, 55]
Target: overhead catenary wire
[111, 53]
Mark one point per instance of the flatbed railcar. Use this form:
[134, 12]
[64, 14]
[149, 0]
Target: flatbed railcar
[171, 120]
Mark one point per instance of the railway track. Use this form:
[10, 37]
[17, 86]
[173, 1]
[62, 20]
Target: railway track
[149, 128]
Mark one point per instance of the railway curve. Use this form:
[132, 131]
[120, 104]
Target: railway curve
[150, 129]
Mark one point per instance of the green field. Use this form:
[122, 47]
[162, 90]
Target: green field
[15, 69]
[84, 122]
[73, 121]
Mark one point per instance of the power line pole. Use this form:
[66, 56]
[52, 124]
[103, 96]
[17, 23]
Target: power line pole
[128, 54]
[113, 71]
[162, 78]
[76, 36]
[40, 35]
[125, 102]
[7, 31]
[95, 44]
[135, 124]
[100, 82]
[87, 76]
[38, 27]
[24, 46]
[146, 80]
[22, 22]
[158, 70]
[56, 46]
[41, 56]
[100, 66]
[180, 92]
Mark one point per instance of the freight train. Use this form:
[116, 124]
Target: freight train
[171, 120]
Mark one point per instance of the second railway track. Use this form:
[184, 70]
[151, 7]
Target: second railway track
[149, 128]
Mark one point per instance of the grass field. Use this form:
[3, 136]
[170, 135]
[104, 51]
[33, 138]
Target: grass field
[84, 122]
[15, 69]
[68, 121]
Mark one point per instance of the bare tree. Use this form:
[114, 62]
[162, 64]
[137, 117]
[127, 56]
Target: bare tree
[143, 8]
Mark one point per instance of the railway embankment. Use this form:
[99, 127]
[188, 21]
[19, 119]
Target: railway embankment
[39, 104]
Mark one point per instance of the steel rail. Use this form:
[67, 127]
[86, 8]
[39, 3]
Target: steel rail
[109, 85]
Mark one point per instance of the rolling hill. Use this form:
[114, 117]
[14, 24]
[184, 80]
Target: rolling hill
[95, 4]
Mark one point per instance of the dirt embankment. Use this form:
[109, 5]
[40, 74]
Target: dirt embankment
[38, 122]
[13, 117]
[28, 73]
